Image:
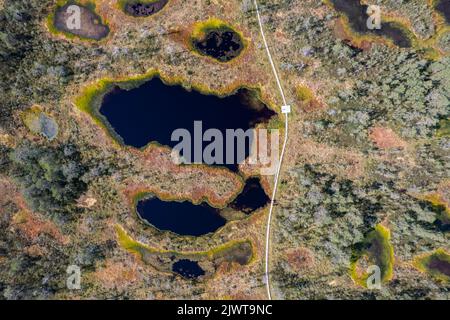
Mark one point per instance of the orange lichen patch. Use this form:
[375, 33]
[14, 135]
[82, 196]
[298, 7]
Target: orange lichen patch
[36, 250]
[31, 227]
[117, 275]
[386, 138]
[300, 259]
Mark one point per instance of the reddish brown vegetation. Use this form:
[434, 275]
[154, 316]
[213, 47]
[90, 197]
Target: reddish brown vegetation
[300, 259]
[386, 138]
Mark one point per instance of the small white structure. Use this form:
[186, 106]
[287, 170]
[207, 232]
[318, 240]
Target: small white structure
[286, 109]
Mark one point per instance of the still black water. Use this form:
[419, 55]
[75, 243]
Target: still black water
[151, 112]
[188, 269]
[252, 198]
[223, 45]
[183, 218]
[143, 9]
[357, 17]
[188, 219]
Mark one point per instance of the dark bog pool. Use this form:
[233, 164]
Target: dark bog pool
[357, 17]
[144, 8]
[252, 198]
[188, 219]
[151, 113]
[443, 7]
[188, 269]
[223, 44]
[183, 218]
[90, 27]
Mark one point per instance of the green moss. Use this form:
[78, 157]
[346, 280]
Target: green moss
[436, 264]
[378, 250]
[129, 244]
[203, 27]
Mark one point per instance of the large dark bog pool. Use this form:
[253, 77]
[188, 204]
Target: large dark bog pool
[183, 218]
[152, 111]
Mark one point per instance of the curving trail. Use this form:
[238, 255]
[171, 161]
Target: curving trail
[277, 175]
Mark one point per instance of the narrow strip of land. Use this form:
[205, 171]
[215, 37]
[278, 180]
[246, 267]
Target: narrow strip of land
[277, 175]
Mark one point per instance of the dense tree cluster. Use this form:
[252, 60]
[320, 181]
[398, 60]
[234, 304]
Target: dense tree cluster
[408, 94]
[52, 178]
[332, 216]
